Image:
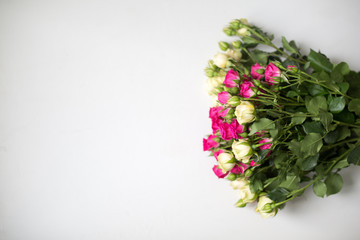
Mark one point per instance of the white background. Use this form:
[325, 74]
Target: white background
[103, 109]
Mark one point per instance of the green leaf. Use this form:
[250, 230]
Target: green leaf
[332, 137]
[320, 171]
[278, 194]
[319, 189]
[337, 104]
[341, 164]
[309, 163]
[256, 182]
[256, 186]
[339, 71]
[280, 160]
[291, 182]
[317, 90]
[343, 68]
[313, 127]
[287, 46]
[356, 131]
[337, 77]
[326, 119]
[259, 56]
[297, 120]
[249, 40]
[311, 144]
[319, 61]
[354, 106]
[354, 156]
[314, 104]
[345, 116]
[334, 183]
[344, 132]
[292, 94]
[274, 133]
[294, 147]
[259, 156]
[353, 78]
[262, 124]
[344, 87]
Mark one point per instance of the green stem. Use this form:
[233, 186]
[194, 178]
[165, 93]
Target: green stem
[347, 124]
[337, 160]
[323, 85]
[245, 50]
[340, 143]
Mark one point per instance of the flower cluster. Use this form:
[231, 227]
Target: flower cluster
[281, 121]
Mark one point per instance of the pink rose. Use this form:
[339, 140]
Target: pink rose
[253, 163]
[239, 168]
[245, 89]
[230, 131]
[223, 97]
[210, 143]
[231, 75]
[217, 114]
[237, 127]
[254, 71]
[272, 72]
[265, 146]
[218, 172]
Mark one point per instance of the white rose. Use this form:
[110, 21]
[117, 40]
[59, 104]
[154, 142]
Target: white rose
[214, 100]
[246, 195]
[242, 32]
[239, 183]
[264, 209]
[226, 161]
[212, 83]
[242, 150]
[245, 112]
[220, 60]
[235, 54]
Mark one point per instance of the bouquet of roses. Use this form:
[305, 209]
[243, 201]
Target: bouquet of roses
[281, 121]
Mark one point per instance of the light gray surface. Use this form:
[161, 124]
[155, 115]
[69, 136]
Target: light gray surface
[103, 110]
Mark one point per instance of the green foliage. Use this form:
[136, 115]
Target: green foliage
[354, 106]
[345, 116]
[313, 127]
[337, 104]
[344, 132]
[341, 164]
[319, 189]
[317, 90]
[298, 119]
[334, 183]
[278, 194]
[354, 156]
[326, 119]
[315, 104]
[319, 61]
[353, 79]
[311, 144]
[291, 182]
[290, 47]
[262, 124]
[309, 163]
[332, 137]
